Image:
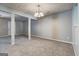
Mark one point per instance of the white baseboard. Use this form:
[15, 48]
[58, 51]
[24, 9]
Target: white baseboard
[10, 35]
[5, 36]
[52, 39]
[42, 38]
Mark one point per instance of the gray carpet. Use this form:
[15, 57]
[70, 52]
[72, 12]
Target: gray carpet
[35, 47]
[3, 54]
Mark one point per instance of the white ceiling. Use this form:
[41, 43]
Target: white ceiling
[46, 8]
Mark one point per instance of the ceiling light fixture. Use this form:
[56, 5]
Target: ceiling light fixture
[38, 13]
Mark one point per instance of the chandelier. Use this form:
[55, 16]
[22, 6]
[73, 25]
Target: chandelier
[38, 13]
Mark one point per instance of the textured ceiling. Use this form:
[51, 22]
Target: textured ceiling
[46, 8]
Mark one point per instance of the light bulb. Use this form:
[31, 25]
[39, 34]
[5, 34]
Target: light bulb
[40, 14]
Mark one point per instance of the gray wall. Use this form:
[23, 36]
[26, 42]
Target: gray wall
[3, 27]
[26, 27]
[57, 26]
[19, 27]
[65, 23]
